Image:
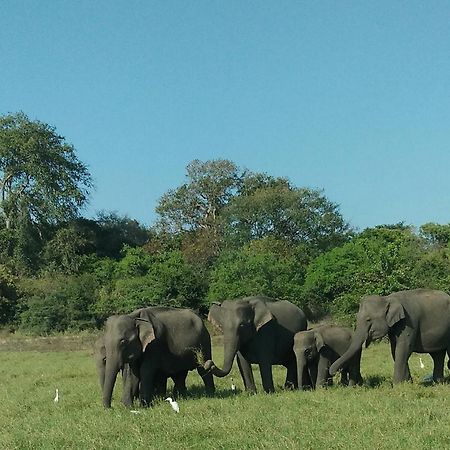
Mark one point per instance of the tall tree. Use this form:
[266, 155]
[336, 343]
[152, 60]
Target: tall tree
[41, 179]
[270, 206]
[197, 203]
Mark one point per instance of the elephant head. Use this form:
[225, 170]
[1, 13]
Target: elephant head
[376, 316]
[126, 338]
[307, 346]
[239, 321]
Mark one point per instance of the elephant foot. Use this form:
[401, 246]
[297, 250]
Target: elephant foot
[289, 386]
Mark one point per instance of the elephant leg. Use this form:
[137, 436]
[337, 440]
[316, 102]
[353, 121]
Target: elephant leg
[130, 389]
[402, 353]
[265, 369]
[148, 377]
[354, 375]
[179, 380]
[208, 380]
[344, 377]
[160, 384]
[246, 371]
[311, 376]
[322, 372]
[438, 369]
[291, 375]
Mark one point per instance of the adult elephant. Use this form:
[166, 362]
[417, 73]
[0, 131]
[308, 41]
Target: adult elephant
[130, 383]
[415, 321]
[260, 330]
[156, 343]
[317, 349]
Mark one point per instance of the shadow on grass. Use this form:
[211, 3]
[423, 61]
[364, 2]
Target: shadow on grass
[375, 381]
[428, 381]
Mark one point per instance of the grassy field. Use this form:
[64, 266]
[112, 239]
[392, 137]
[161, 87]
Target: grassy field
[375, 416]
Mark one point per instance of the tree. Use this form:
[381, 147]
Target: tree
[41, 179]
[380, 260]
[273, 207]
[436, 234]
[265, 266]
[197, 203]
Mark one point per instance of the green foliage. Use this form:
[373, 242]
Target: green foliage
[197, 203]
[41, 178]
[266, 267]
[378, 261]
[143, 280]
[58, 304]
[273, 208]
[8, 295]
[436, 234]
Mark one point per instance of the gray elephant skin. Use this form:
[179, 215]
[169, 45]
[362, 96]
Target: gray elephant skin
[259, 330]
[316, 349]
[130, 383]
[415, 321]
[152, 344]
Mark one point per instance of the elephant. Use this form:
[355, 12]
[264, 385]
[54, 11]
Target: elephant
[415, 321]
[156, 343]
[130, 389]
[259, 330]
[318, 348]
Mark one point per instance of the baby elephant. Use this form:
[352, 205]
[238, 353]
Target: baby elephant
[317, 349]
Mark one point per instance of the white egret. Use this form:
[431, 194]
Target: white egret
[56, 399]
[422, 365]
[173, 404]
[233, 386]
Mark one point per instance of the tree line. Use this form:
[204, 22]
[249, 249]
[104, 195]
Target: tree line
[226, 232]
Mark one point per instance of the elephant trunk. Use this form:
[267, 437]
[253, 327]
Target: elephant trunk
[301, 369]
[231, 346]
[111, 371]
[361, 334]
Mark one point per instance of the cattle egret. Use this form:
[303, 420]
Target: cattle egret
[56, 399]
[422, 365]
[173, 404]
[133, 411]
[233, 386]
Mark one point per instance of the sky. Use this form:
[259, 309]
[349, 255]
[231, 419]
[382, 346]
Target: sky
[346, 96]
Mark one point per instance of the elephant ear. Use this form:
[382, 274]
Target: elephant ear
[215, 316]
[394, 313]
[318, 338]
[262, 314]
[146, 326]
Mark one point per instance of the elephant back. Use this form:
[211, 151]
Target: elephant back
[184, 330]
[288, 315]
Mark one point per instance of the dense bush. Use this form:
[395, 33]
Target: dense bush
[59, 304]
[265, 267]
[378, 261]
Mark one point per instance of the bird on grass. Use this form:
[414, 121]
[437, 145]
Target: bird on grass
[56, 399]
[173, 404]
[233, 386]
[422, 365]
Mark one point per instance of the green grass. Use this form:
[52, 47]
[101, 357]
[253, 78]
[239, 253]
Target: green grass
[375, 416]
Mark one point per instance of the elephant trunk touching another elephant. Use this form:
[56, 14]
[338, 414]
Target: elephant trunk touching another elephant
[415, 321]
[259, 330]
[231, 346]
[319, 347]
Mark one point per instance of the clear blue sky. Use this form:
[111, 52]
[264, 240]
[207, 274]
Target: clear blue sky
[352, 97]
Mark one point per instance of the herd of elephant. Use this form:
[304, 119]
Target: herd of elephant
[153, 344]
